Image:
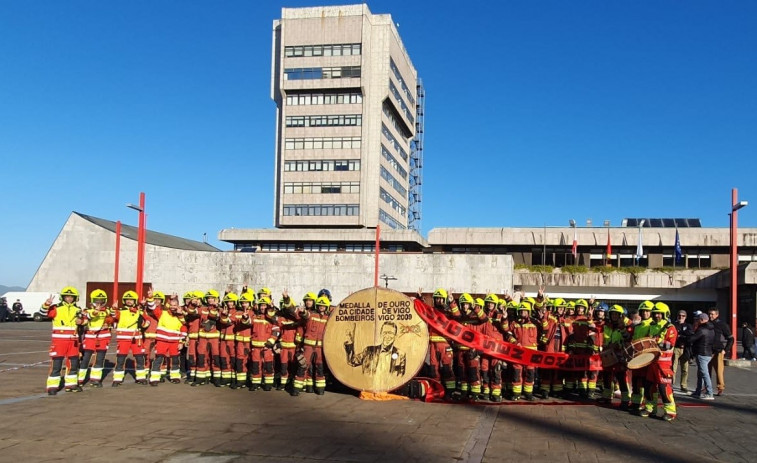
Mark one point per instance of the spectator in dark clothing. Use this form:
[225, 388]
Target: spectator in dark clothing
[680, 356]
[747, 341]
[17, 309]
[3, 310]
[723, 344]
[702, 348]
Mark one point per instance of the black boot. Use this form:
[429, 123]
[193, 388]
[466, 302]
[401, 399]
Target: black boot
[266, 387]
[309, 389]
[295, 392]
[319, 391]
[217, 382]
[233, 384]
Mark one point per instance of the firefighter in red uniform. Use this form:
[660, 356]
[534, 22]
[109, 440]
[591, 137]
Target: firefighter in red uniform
[315, 325]
[130, 322]
[599, 316]
[66, 317]
[468, 360]
[549, 328]
[262, 339]
[242, 336]
[526, 335]
[287, 338]
[660, 372]
[506, 326]
[99, 320]
[616, 334]
[191, 310]
[170, 333]
[581, 342]
[556, 343]
[227, 338]
[154, 299]
[440, 350]
[491, 368]
[208, 348]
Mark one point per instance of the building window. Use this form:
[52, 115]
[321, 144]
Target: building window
[337, 72]
[389, 199]
[322, 165]
[389, 112]
[389, 220]
[393, 162]
[347, 49]
[323, 98]
[322, 143]
[390, 137]
[359, 247]
[321, 187]
[394, 182]
[399, 78]
[319, 247]
[278, 247]
[338, 120]
[403, 105]
[320, 209]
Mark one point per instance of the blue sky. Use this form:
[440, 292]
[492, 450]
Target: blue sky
[536, 112]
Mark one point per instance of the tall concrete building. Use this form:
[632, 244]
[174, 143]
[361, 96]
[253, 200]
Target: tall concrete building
[348, 121]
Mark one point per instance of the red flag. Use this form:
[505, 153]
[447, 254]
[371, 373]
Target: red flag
[609, 246]
[575, 243]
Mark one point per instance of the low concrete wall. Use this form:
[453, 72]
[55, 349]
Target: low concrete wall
[84, 252]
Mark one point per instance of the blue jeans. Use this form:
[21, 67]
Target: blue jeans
[704, 382]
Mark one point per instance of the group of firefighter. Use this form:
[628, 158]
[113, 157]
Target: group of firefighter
[227, 341]
[241, 340]
[579, 327]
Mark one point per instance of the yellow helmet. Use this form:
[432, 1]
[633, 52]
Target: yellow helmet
[512, 305]
[525, 305]
[129, 295]
[98, 294]
[530, 300]
[440, 293]
[324, 301]
[69, 291]
[479, 302]
[265, 291]
[582, 303]
[212, 293]
[159, 295]
[661, 307]
[265, 300]
[465, 297]
[618, 309]
[309, 295]
[247, 297]
[197, 294]
[646, 305]
[491, 297]
[571, 305]
[559, 302]
[231, 297]
[188, 295]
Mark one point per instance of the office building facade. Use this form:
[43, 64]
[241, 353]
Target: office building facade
[347, 142]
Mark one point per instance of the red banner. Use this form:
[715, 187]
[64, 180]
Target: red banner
[502, 350]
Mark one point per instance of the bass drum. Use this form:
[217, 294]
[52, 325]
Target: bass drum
[641, 352]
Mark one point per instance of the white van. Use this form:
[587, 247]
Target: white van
[32, 301]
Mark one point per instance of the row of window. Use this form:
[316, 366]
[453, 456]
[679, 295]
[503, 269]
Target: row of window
[336, 120]
[339, 72]
[324, 247]
[389, 220]
[393, 161]
[393, 182]
[321, 209]
[321, 165]
[341, 49]
[322, 143]
[389, 199]
[394, 141]
[303, 99]
[398, 125]
[321, 187]
[403, 105]
[397, 75]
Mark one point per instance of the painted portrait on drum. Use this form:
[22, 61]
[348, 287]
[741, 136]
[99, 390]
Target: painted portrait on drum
[375, 341]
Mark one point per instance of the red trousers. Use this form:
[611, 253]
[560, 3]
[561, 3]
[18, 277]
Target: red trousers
[134, 346]
[313, 368]
[441, 354]
[208, 358]
[228, 355]
[287, 358]
[261, 365]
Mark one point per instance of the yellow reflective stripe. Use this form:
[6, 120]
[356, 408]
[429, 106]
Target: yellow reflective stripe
[242, 338]
[320, 320]
[311, 342]
[288, 344]
[258, 343]
[437, 339]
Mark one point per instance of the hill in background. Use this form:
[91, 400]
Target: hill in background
[5, 289]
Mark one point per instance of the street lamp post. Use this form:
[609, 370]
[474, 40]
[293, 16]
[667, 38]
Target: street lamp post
[735, 206]
[140, 243]
[386, 279]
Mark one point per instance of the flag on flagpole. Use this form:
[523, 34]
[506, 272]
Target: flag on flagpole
[678, 252]
[609, 246]
[639, 247]
[574, 250]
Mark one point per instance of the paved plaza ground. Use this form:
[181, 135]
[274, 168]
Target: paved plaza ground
[178, 423]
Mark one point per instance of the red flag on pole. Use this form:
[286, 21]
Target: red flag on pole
[609, 246]
[575, 244]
